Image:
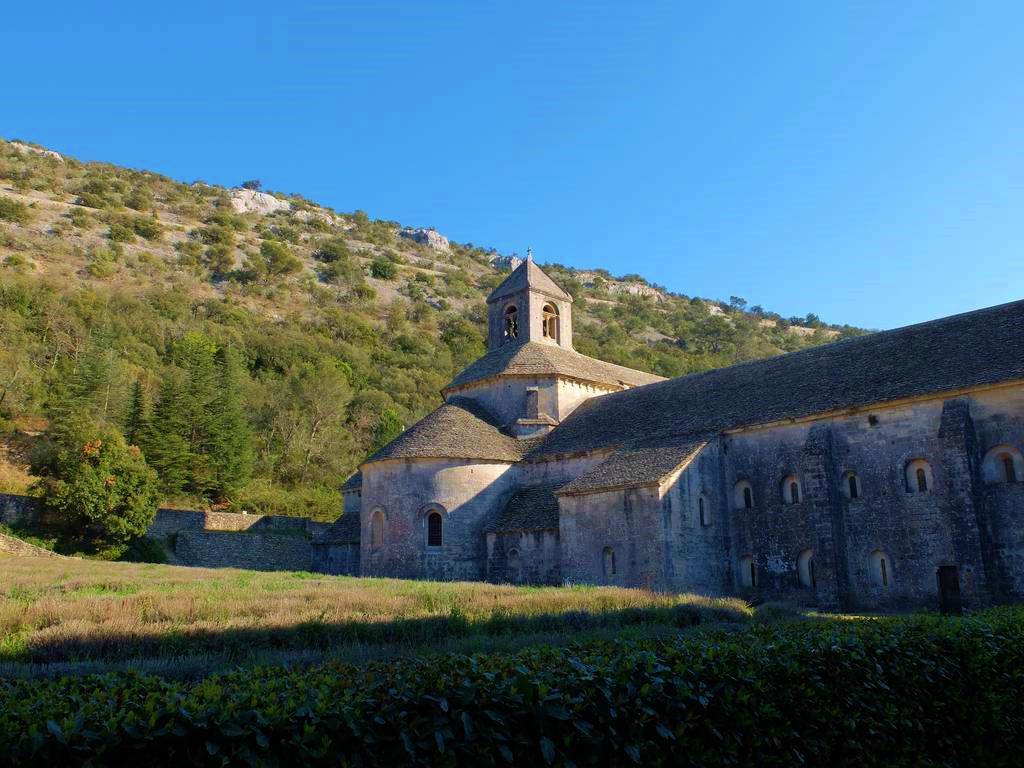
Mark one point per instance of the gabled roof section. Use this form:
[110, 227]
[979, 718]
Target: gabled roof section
[528, 276]
[459, 429]
[534, 358]
[975, 349]
[531, 508]
[645, 464]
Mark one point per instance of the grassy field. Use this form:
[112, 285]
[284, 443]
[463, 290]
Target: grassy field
[74, 616]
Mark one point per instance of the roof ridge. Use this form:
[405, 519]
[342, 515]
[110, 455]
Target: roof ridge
[852, 341]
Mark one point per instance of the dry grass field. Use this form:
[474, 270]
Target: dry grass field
[69, 615]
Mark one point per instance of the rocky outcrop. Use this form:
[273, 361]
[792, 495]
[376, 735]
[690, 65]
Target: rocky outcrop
[28, 149]
[505, 263]
[251, 201]
[620, 287]
[428, 237]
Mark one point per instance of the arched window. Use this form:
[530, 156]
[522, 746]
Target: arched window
[748, 571]
[880, 569]
[377, 528]
[511, 322]
[704, 509]
[805, 568]
[435, 528]
[549, 317]
[609, 562]
[850, 485]
[743, 495]
[791, 490]
[919, 476]
[1003, 464]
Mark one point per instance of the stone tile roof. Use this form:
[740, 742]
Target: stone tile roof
[531, 508]
[643, 464]
[537, 358]
[967, 350]
[528, 275]
[354, 482]
[344, 530]
[459, 429]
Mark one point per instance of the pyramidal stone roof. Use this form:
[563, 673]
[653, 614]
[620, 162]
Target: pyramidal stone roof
[954, 353]
[538, 358]
[459, 429]
[528, 276]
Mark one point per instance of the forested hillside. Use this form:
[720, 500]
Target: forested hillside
[257, 348]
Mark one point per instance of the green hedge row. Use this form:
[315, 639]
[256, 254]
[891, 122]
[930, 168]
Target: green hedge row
[918, 691]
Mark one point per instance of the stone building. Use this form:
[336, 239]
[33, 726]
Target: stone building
[878, 471]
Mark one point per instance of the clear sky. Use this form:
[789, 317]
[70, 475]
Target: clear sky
[863, 161]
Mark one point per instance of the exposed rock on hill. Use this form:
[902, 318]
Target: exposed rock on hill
[505, 263]
[251, 201]
[27, 149]
[428, 237]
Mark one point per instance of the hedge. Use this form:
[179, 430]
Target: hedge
[917, 691]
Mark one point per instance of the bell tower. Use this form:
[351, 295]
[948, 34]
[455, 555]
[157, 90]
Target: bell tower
[529, 306]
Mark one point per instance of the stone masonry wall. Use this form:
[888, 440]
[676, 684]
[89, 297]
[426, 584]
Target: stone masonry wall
[15, 508]
[12, 545]
[958, 521]
[335, 558]
[537, 561]
[255, 551]
[468, 494]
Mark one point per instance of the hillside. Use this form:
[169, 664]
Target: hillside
[120, 288]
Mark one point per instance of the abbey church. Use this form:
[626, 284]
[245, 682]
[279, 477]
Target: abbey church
[879, 471]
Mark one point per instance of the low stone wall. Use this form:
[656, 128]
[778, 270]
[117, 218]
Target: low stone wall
[14, 546]
[15, 508]
[255, 551]
[170, 521]
[213, 539]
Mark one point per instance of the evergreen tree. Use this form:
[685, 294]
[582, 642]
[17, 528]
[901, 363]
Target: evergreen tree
[231, 445]
[165, 441]
[195, 354]
[135, 422]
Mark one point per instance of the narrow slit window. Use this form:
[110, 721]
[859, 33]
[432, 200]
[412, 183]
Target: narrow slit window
[435, 525]
[1009, 470]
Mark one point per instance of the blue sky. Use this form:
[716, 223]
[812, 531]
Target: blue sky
[863, 161]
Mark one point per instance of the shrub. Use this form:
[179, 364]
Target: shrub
[119, 233]
[147, 227]
[278, 259]
[101, 263]
[332, 250]
[80, 217]
[924, 691]
[14, 210]
[96, 483]
[383, 269]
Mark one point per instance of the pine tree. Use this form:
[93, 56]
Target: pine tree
[195, 354]
[165, 441]
[135, 421]
[231, 445]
